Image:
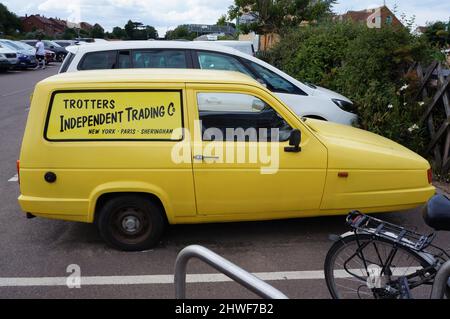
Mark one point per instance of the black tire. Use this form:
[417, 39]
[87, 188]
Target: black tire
[339, 245]
[131, 223]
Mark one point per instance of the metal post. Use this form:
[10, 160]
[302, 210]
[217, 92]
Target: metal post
[441, 282]
[236, 273]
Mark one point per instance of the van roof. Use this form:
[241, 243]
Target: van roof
[152, 75]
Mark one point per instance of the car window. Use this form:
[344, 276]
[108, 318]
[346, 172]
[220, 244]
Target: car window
[11, 45]
[67, 61]
[124, 60]
[217, 61]
[275, 82]
[159, 59]
[239, 117]
[31, 43]
[49, 44]
[99, 61]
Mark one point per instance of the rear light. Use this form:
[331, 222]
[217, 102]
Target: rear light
[430, 176]
[18, 171]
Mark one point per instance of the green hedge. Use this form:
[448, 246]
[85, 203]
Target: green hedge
[368, 66]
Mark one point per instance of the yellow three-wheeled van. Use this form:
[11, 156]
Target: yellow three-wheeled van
[133, 150]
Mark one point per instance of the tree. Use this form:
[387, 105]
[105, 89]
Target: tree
[137, 31]
[119, 33]
[438, 33]
[180, 32]
[129, 29]
[9, 22]
[69, 34]
[97, 32]
[222, 20]
[151, 32]
[271, 16]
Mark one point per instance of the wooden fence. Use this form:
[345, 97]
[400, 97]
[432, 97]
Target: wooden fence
[435, 87]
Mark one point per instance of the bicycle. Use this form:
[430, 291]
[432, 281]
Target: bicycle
[380, 260]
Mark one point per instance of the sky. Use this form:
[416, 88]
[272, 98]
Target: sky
[167, 14]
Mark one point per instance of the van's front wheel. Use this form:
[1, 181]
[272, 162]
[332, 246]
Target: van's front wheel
[131, 223]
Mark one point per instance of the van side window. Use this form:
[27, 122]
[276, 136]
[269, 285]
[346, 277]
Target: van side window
[102, 60]
[275, 82]
[124, 60]
[239, 117]
[159, 59]
[217, 61]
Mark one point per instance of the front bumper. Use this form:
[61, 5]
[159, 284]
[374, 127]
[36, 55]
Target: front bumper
[29, 62]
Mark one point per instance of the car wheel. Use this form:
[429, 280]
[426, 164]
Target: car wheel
[131, 223]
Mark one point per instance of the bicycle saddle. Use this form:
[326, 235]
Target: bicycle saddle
[437, 213]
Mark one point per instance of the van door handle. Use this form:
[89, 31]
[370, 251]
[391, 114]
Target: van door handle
[202, 158]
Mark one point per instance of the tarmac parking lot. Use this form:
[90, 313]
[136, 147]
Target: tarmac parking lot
[35, 254]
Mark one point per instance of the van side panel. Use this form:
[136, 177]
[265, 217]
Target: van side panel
[85, 170]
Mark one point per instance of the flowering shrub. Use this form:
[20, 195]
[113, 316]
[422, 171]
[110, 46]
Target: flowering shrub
[367, 65]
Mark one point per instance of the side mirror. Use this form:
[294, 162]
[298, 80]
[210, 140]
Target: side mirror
[258, 105]
[294, 142]
[262, 82]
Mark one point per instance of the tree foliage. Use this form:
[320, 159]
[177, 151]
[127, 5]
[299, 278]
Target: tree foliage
[180, 32]
[367, 65]
[97, 32]
[134, 31]
[438, 33]
[9, 22]
[274, 15]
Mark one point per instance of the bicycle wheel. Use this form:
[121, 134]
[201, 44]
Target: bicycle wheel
[347, 272]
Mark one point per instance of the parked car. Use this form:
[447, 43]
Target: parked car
[66, 43]
[246, 47]
[25, 55]
[60, 52]
[50, 57]
[8, 58]
[124, 148]
[304, 99]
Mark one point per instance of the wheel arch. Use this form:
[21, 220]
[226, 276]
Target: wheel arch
[105, 192]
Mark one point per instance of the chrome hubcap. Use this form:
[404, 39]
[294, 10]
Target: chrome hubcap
[131, 224]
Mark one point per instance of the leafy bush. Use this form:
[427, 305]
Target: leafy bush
[367, 65]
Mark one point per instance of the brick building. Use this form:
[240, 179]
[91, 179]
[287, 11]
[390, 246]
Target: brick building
[42, 24]
[51, 26]
[373, 18]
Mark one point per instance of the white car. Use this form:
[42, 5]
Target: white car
[305, 100]
[246, 47]
[8, 58]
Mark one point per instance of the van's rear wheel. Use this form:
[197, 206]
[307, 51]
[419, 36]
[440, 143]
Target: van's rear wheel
[131, 223]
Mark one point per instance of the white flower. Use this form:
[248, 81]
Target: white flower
[421, 103]
[413, 128]
[405, 104]
[404, 87]
[390, 106]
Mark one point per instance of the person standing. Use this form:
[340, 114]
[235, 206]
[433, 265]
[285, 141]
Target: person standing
[40, 53]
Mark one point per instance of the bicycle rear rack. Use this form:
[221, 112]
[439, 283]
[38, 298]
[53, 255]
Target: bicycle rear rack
[236, 273]
[365, 224]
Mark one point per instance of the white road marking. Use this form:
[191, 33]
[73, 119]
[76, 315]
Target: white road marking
[169, 279]
[15, 178]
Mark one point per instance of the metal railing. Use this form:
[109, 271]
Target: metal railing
[236, 273]
[441, 282]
